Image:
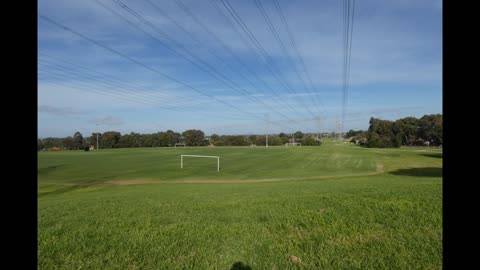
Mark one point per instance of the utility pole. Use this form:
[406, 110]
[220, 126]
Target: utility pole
[319, 129]
[266, 136]
[97, 136]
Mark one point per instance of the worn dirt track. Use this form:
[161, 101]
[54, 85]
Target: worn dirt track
[218, 181]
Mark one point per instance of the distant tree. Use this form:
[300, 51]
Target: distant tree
[147, 140]
[276, 140]
[126, 140]
[309, 141]
[68, 143]
[431, 128]
[350, 133]
[261, 140]
[87, 142]
[50, 142]
[410, 126]
[111, 139]
[40, 145]
[252, 139]
[406, 131]
[397, 133]
[194, 137]
[283, 138]
[298, 135]
[216, 140]
[77, 141]
[93, 139]
[380, 133]
[235, 140]
[174, 137]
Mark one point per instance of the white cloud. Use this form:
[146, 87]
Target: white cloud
[59, 111]
[108, 120]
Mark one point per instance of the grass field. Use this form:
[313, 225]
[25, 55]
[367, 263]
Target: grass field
[333, 206]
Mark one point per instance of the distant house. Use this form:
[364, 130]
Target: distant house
[92, 148]
[55, 148]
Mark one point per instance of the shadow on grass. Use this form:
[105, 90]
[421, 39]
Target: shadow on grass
[49, 169]
[420, 172]
[434, 155]
[240, 266]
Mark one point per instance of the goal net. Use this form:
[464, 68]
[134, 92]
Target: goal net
[197, 156]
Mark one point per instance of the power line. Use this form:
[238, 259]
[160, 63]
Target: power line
[252, 50]
[58, 79]
[141, 64]
[348, 19]
[229, 50]
[108, 78]
[294, 45]
[68, 72]
[97, 43]
[210, 69]
[215, 37]
[281, 77]
[283, 48]
[115, 88]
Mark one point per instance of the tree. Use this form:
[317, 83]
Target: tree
[216, 140]
[93, 138]
[69, 143]
[77, 141]
[252, 139]
[40, 145]
[431, 128]
[309, 141]
[380, 133]
[350, 133]
[235, 140]
[111, 139]
[174, 137]
[51, 142]
[194, 137]
[298, 135]
[261, 140]
[407, 131]
[275, 140]
[409, 126]
[283, 138]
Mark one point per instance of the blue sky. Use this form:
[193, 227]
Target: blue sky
[396, 66]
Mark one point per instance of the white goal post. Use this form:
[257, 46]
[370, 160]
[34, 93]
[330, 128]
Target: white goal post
[217, 157]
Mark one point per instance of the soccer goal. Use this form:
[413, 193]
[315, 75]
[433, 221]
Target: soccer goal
[293, 144]
[179, 144]
[217, 157]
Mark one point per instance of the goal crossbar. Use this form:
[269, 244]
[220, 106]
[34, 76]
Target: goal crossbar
[217, 157]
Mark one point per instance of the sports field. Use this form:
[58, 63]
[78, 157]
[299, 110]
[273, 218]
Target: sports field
[333, 207]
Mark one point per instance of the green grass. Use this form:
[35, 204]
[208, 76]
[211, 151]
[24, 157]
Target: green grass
[339, 207]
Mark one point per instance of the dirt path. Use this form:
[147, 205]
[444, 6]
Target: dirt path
[379, 170]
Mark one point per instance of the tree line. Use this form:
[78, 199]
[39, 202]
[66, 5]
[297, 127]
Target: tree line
[191, 137]
[408, 131]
